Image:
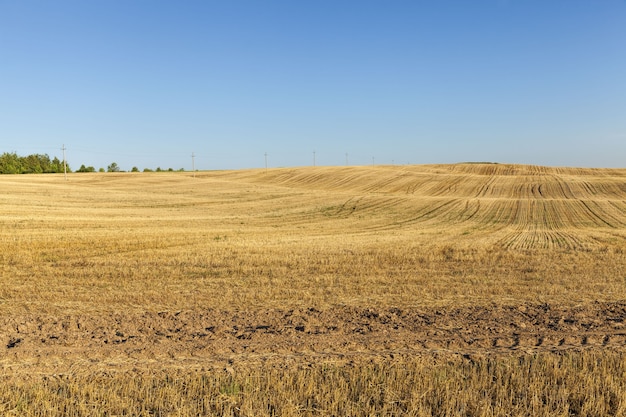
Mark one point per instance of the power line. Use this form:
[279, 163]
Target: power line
[64, 163]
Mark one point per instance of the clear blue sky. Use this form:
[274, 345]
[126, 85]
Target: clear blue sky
[148, 82]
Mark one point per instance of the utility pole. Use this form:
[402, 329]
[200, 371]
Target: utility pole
[372, 161]
[64, 163]
[265, 161]
[193, 164]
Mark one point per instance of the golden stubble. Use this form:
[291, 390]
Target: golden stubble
[388, 236]
[385, 236]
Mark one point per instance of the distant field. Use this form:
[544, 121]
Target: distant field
[384, 236]
[376, 274]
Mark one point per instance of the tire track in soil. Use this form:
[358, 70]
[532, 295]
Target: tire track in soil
[217, 338]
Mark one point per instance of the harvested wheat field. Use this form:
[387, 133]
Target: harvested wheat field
[448, 290]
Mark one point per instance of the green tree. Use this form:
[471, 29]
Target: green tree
[134, 169]
[57, 166]
[113, 167]
[32, 164]
[10, 163]
[83, 168]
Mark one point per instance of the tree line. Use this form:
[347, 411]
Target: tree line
[113, 167]
[12, 163]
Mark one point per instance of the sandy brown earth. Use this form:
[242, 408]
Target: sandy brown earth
[224, 339]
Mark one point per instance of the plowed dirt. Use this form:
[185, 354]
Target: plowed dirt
[223, 339]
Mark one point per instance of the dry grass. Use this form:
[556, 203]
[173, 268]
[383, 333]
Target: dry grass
[579, 384]
[449, 235]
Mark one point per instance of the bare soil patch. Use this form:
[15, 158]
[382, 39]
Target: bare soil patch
[343, 334]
